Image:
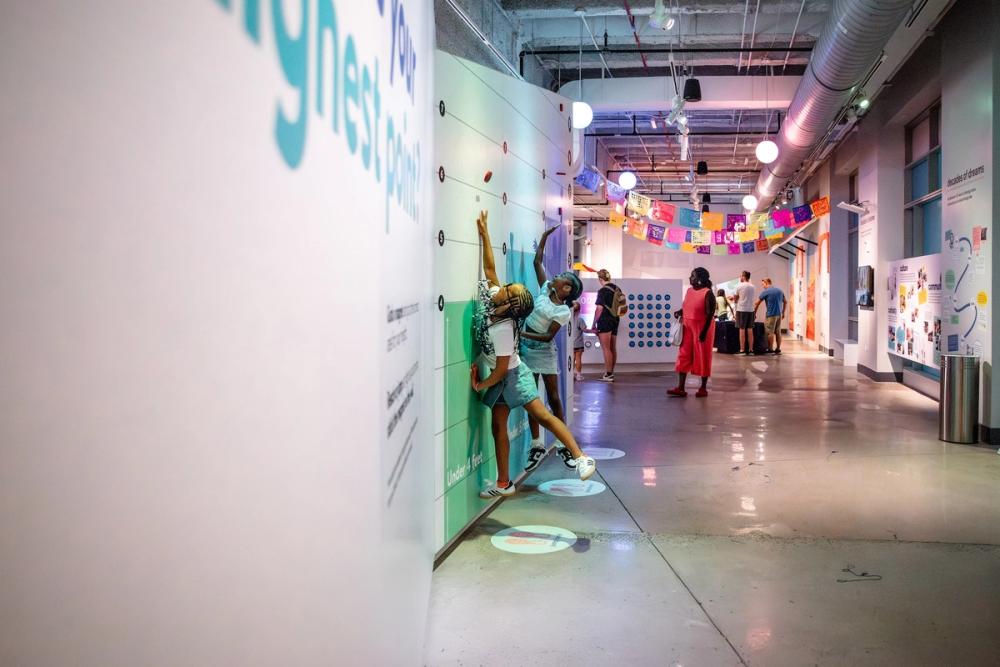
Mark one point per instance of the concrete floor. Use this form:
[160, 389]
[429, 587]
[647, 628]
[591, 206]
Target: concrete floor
[725, 528]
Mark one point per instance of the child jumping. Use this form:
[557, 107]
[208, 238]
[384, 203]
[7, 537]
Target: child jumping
[538, 349]
[510, 383]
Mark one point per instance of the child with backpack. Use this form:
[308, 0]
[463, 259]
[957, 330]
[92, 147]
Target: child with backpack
[611, 306]
[509, 384]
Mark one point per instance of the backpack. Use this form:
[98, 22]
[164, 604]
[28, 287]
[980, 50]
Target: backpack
[619, 302]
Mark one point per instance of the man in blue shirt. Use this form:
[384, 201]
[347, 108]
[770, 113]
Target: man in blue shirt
[774, 300]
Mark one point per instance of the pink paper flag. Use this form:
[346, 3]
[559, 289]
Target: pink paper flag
[782, 217]
[718, 238]
[734, 248]
[676, 235]
[663, 212]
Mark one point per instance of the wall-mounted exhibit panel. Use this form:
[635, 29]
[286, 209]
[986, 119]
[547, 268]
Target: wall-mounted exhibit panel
[500, 145]
[644, 331]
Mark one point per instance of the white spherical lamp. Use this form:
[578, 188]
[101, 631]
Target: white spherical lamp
[767, 151]
[750, 203]
[627, 180]
[583, 115]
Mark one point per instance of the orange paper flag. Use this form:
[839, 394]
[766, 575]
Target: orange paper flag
[713, 221]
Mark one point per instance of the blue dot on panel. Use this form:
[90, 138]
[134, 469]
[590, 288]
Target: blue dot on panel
[658, 297]
[659, 335]
[631, 325]
[641, 344]
[639, 297]
[666, 297]
[631, 297]
[666, 307]
[631, 343]
[658, 316]
[659, 325]
[649, 296]
[659, 307]
[640, 306]
[631, 334]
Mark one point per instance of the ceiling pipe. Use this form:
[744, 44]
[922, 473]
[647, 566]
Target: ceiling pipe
[854, 35]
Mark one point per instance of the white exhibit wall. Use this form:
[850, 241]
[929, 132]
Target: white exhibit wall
[214, 438]
[968, 114]
[518, 134]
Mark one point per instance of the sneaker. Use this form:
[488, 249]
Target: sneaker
[608, 377]
[567, 458]
[495, 491]
[586, 467]
[578, 377]
[535, 456]
[777, 350]
[677, 391]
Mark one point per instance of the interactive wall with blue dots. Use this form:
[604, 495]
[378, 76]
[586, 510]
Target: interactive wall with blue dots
[644, 332]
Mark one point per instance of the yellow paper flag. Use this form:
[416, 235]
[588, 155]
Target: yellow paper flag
[616, 219]
[713, 221]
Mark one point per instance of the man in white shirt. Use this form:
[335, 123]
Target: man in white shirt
[744, 300]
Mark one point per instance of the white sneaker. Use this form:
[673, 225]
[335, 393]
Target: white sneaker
[586, 467]
[578, 377]
[494, 491]
[535, 456]
[567, 458]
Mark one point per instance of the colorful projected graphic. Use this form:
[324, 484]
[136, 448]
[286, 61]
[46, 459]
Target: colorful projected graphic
[533, 540]
[571, 488]
[603, 453]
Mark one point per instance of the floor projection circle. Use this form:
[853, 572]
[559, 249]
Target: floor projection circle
[571, 488]
[533, 540]
[604, 453]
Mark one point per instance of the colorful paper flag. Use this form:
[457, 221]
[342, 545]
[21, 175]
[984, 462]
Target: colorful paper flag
[704, 250]
[672, 246]
[637, 229]
[746, 236]
[701, 237]
[689, 218]
[734, 248]
[820, 206]
[616, 219]
[615, 192]
[749, 247]
[675, 235]
[731, 237]
[713, 221]
[655, 234]
[663, 212]
[782, 218]
[736, 222]
[761, 245]
[687, 247]
[639, 204]
[759, 220]
[720, 250]
[589, 179]
[802, 214]
[718, 238]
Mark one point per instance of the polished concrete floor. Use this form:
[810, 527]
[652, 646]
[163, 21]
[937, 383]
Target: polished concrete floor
[726, 531]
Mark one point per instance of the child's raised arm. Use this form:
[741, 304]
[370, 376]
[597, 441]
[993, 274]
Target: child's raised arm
[489, 264]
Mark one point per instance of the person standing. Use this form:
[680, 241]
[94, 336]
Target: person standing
[606, 323]
[744, 298]
[723, 309]
[775, 303]
[579, 326]
[698, 320]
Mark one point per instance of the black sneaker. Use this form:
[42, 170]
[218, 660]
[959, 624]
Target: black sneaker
[567, 458]
[777, 350]
[608, 377]
[535, 456]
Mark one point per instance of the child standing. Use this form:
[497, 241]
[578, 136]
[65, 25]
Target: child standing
[509, 383]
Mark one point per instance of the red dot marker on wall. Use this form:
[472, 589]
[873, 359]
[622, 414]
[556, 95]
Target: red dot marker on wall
[487, 176]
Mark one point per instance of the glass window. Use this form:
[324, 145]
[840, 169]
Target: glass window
[922, 206]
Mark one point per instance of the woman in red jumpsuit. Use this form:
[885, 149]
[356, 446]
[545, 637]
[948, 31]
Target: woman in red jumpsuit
[698, 320]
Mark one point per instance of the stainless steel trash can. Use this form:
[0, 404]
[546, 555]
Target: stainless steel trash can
[958, 411]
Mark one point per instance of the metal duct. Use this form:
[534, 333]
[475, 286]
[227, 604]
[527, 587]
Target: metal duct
[855, 34]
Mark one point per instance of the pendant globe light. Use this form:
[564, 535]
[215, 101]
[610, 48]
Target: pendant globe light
[767, 150]
[750, 203]
[627, 180]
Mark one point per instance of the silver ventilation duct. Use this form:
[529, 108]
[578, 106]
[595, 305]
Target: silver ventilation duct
[855, 34]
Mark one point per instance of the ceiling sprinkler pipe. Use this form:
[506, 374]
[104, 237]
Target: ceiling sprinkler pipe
[855, 34]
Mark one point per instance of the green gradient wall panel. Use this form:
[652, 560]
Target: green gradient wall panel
[484, 110]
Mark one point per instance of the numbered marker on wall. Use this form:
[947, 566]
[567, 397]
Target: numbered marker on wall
[533, 540]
